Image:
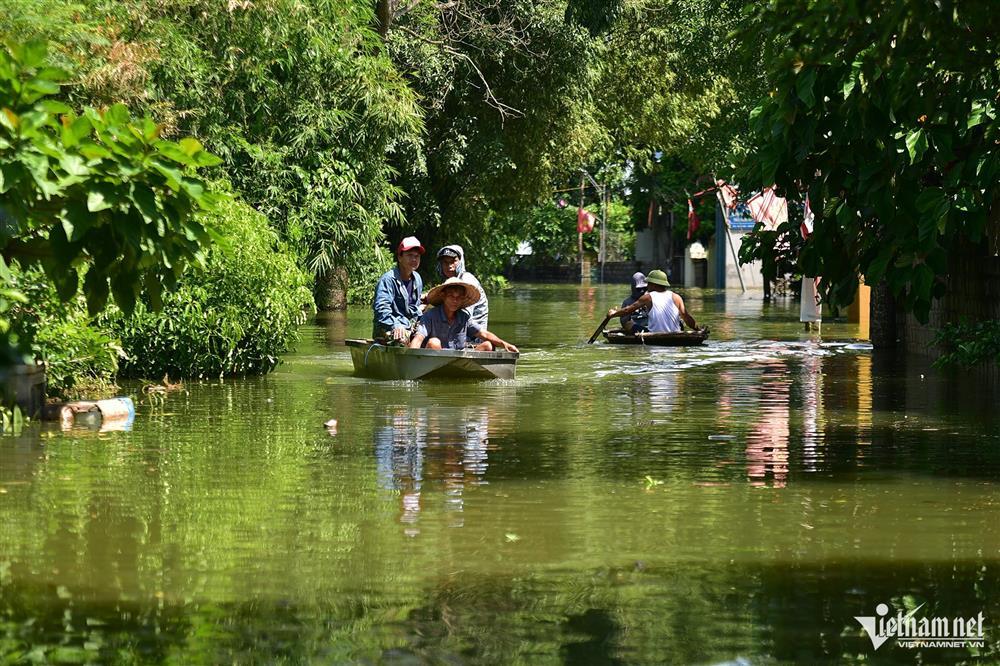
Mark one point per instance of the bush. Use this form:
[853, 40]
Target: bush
[233, 318]
[79, 357]
[967, 344]
[495, 283]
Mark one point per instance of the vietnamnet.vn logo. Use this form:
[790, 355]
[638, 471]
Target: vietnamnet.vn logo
[911, 632]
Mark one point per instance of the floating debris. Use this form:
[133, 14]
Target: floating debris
[721, 438]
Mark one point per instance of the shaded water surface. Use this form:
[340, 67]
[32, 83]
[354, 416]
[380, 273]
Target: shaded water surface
[735, 503]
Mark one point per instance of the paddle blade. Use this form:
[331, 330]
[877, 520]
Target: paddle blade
[598, 331]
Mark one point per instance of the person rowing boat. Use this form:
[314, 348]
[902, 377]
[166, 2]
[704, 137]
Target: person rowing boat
[666, 308]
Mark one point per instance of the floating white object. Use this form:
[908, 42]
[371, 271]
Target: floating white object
[721, 438]
[112, 414]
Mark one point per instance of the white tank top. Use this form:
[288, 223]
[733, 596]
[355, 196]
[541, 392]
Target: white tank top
[664, 317]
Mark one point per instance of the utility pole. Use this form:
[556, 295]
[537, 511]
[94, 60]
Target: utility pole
[579, 234]
[605, 202]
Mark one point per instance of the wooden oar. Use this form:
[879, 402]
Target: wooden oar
[599, 329]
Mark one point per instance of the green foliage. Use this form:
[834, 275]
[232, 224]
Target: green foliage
[969, 344]
[885, 112]
[302, 104]
[78, 355]
[667, 182]
[235, 317]
[11, 422]
[672, 79]
[47, 21]
[552, 232]
[506, 91]
[495, 283]
[596, 17]
[96, 191]
[778, 250]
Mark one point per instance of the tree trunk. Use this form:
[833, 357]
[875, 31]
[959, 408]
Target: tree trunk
[883, 331]
[331, 289]
[383, 16]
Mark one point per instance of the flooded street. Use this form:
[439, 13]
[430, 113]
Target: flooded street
[739, 502]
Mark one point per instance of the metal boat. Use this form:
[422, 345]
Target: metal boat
[679, 339]
[381, 361]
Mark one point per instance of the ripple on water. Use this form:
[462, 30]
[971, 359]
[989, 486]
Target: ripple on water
[764, 489]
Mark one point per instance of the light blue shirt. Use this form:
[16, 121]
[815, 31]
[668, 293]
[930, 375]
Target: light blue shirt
[453, 335]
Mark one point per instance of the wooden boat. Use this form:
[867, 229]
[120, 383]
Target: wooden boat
[680, 339]
[380, 361]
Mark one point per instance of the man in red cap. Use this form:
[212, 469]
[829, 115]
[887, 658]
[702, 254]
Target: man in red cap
[397, 295]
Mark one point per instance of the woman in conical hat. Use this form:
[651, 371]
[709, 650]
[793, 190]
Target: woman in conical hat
[448, 325]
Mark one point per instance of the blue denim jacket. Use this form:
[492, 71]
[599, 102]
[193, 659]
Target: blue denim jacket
[392, 305]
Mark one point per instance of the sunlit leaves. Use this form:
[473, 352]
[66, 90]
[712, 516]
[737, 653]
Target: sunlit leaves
[98, 195]
[916, 144]
[234, 317]
[897, 126]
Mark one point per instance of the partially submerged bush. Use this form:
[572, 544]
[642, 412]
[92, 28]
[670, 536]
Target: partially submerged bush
[233, 318]
[79, 357]
[969, 344]
[495, 283]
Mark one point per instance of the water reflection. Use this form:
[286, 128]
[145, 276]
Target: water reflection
[443, 448]
[767, 442]
[614, 504]
[811, 382]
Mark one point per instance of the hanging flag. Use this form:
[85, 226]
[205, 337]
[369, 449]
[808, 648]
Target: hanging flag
[807, 220]
[693, 221]
[768, 208]
[729, 194]
[584, 221]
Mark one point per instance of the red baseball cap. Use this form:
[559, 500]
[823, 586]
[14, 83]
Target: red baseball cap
[410, 243]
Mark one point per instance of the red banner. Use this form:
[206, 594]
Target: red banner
[693, 221]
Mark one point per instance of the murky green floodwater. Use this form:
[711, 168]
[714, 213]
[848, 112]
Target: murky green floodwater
[739, 502]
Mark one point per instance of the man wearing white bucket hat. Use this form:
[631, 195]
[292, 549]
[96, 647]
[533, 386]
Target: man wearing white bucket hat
[449, 325]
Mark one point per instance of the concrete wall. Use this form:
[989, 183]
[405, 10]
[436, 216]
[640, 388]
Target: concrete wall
[615, 272]
[750, 272]
[973, 294]
[618, 272]
[651, 253]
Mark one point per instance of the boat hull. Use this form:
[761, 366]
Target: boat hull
[379, 361]
[680, 339]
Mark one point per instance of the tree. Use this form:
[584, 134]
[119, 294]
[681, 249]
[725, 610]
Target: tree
[506, 93]
[299, 100]
[95, 197]
[884, 113]
[673, 81]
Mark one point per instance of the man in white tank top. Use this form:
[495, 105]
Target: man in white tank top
[666, 309]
